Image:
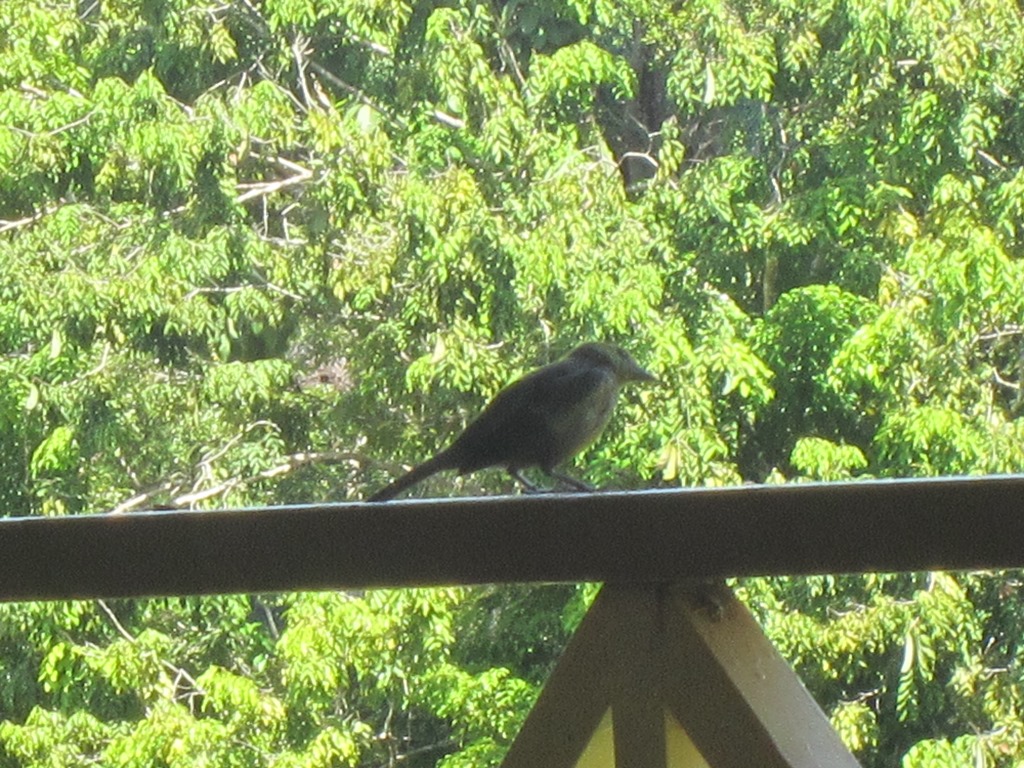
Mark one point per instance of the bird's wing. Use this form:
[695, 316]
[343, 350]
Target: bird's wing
[524, 424]
[560, 388]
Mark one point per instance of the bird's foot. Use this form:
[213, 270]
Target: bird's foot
[528, 487]
[569, 480]
[572, 482]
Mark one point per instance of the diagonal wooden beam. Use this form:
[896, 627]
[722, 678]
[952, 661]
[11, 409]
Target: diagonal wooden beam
[733, 693]
[575, 697]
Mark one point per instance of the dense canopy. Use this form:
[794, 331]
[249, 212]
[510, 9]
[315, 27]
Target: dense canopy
[272, 251]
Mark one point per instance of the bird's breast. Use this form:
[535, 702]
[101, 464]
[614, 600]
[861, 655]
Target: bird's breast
[578, 426]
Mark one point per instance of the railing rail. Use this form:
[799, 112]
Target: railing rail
[621, 537]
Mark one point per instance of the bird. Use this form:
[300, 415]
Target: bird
[540, 420]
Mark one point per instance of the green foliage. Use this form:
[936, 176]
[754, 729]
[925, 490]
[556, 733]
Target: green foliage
[822, 460]
[914, 649]
[274, 251]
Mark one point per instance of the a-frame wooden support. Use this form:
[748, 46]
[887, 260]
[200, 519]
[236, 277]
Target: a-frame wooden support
[674, 676]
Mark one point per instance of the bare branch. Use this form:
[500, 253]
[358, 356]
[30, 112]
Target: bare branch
[229, 289]
[990, 159]
[16, 223]
[289, 464]
[644, 156]
[450, 120]
[140, 500]
[204, 471]
[264, 188]
[358, 93]
[1004, 382]
[1002, 333]
[179, 672]
[54, 131]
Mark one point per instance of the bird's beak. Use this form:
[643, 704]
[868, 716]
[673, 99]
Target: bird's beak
[642, 374]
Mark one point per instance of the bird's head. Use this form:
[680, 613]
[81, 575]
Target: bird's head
[616, 359]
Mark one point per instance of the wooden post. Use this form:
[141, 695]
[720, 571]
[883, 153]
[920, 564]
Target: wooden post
[664, 659]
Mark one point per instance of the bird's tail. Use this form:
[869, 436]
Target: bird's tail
[422, 471]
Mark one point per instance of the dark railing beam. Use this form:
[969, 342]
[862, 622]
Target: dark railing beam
[648, 536]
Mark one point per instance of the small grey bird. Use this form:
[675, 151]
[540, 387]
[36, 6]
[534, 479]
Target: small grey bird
[541, 420]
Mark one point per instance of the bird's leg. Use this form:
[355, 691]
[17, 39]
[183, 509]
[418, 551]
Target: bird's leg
[528, 487]
[571, 481]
